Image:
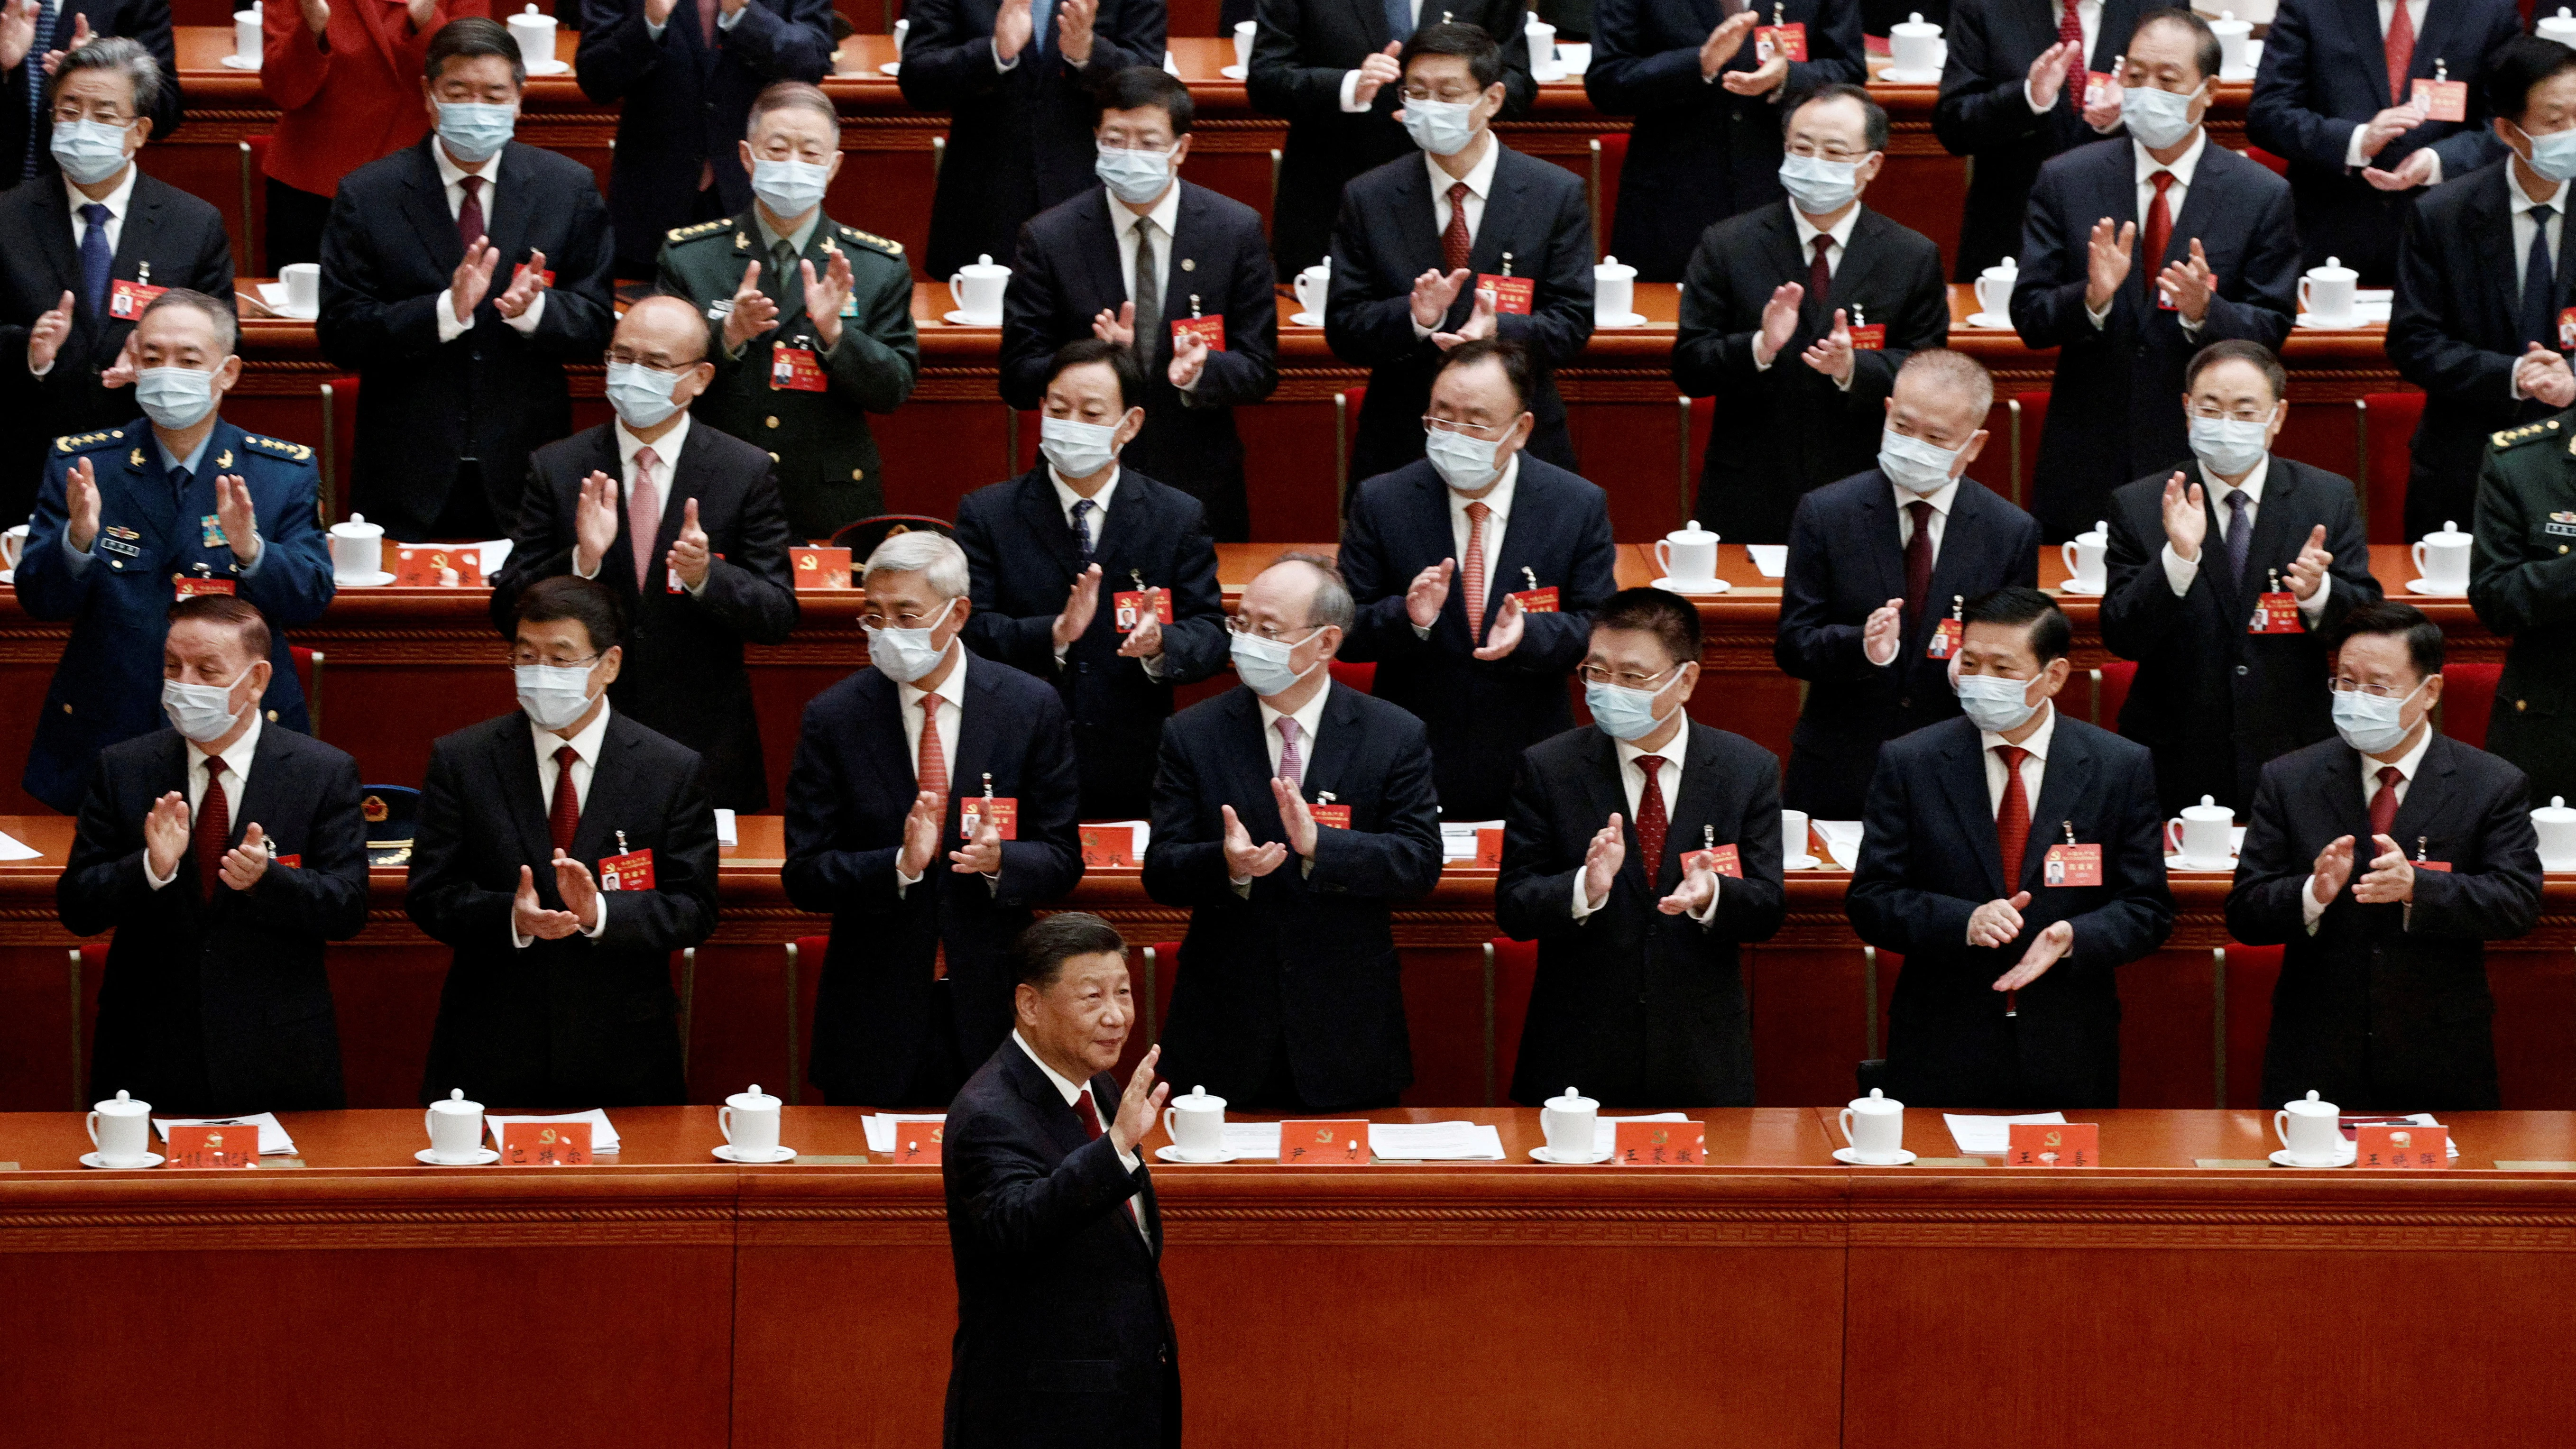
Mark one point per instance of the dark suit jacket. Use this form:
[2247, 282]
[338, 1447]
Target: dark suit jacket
[2212, 699]
[1386, 238]
[1023, 560]
[1057, 1292]
[2523, 586]
[2324, 75]
[2385, 1008]
[2115, 408]
[1305, 966]
[1984, 114]
[847, 796]
[682, 674]
[1636, 1007]
[1928, 859]
[577, 1022]
[1698, 153]
[1844, 563]
[1790, 429]
[168, 236]
[146, 21]
[1019, 140]
[2453, 331]
[1299, 56]
[1480, 714]
[492, 395]
[1068, 272]
[212, 1007]
[683, 103]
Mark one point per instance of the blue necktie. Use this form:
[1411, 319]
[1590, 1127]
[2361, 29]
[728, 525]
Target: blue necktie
[1038, 17]
[180, 481]
[2540, 285]
[35, 64]
[97, 258]
[1399, 20]
[2240, 536]
[1082, 526]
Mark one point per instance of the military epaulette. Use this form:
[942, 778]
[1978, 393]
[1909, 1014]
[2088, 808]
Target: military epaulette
[704, 228]
[887, 245]
[297, 451]
[2516, 437]
[76, 442]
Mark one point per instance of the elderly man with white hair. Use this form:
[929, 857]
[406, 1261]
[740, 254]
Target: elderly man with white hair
[931, 807]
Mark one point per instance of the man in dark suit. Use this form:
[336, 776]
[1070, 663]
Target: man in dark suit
[1962, 821]
[36, 37]
[1636, 911]
[1768, 319]
[1289, 996]
[2359, 145]
[1052, 1218]
[683, 81]
[1057, 557]
[2483, 276]
[1877, 563]
[683, 524]
[2385, 861]
[77, 254]
[2226, 682]
[459, 276]
[2137, 253]
[223, 853]
[887, 831]
[2520, 582]
[1706, 142]
[1015, 79]
[1140, 262]
[1469, 239]
[1331, 69]
[565, 852]
[2013, 95]
[129, 516]
[1475, 572]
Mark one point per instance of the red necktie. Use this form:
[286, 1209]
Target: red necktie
[643, 515]
[707, 20]
[1820, 278]
[2400, 49]
[1474, 569]
[1918, 560]
[564, 812]
[215, 827]
[469, 214]
[2012, 822]
[931, 771]
[1091, 1129]
[2383, 804]
[2159, 232]
[1455, 243]
[2070, 31]
[1650, 819]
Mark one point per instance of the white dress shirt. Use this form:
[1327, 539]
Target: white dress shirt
[1480, 186]
[951, 713]
[451, 181]
[116, 202]
[1072, 1092]
[1065, 498]
[2364, 851]
[585, 747]
[2088, 14]
[666, 453]
[1632, 780]
[1940, 498]
[1499, 499]
[2034, 766]
[1165, 214]
[1309, 718]
[2140, 264]
[236, 775]
[2353, 156]
[2521, 202]
[1351, 78]
[2179, 573]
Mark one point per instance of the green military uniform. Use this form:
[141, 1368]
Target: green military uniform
[2523, 586]
[827, 459]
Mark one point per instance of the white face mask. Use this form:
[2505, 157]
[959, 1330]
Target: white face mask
[1443, 128]
[907, 654]
[1913, 464]
[2229, 445]
[201, 713]
[553, 695]
[1075, 448]
[2157, 118]
[1464, 463]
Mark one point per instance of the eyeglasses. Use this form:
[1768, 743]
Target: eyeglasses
[908, 619]
[1832, 152]
[628, 357]
[1431, 424]
[66, 112]
[1272, 632]
[1625, 679]
[2246, 414]
[2344, 684]
[524, 658]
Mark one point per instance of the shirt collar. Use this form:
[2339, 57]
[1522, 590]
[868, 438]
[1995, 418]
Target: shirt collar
[449, 173]
[1307, 719]
[1671, 754]
[1065, 1087]
[2037, 744]
[2407, 764]
[584, 744]
[1165, 211]
[799, 239]
[1065, 497]
[2253, 484]
[1497, 498]
[1940, 498]
[115, 201]
[237, 757]
[666, 447]
[189, 462]
[2184, 165]
[2524, 200]
[1479, 178]
[951, 689]
[1807, 232]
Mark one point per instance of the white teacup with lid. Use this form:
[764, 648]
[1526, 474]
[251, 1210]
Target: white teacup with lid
[1313, 285]
[2560, 27]
[1874, 1127]
[2087, 560]
[2329, 294]
[455, 1128]
[534, 30]
[1569, 1122]
[2200, 834]
[2232, 34]
[1245, 33]
[121, 1129]
[1688, 557]
[1542, 49]
[977, 290]
[357, 550]
[2556, 826]
[1614, 293]
[1196, 1124]
[1995, 287]
[749, 1122]
[249, 38]
[1914, 44]
[2442, 557]
[2310, 1131]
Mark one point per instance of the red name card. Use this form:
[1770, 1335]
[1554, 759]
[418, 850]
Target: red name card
[1337, 1143]
[2055, 1144]
[232, 1145]
[1210, 330]
[1489, 846]
[1104, 845]
[429, 566]
[2276, 613]
[2071, 865]
[2408, 1147]
[545, 1144]
[1780, 42]
[1724, 860]
[1512, 295]
[1660, 1144]
[821, 568]
[916, 1144]
[1336, 816]
[184, 587]
[794, 369]
[1005, 816]
[1129, 607]
[632, 871]
[2441, 100]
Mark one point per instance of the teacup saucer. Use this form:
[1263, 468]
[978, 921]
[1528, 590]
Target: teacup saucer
[891, 67]
[1895, 76]
[2073, 587]
[1305, 319]
[549, 67]
[482, 1157]
[2345, 1155]
[960, 319]
[1803, 862]
[1851, 1157]
[1633, 319]
[1675, 586]
[239, 61]
[1231, 72]
[2428, 587]
[376, 580]
[1171, 1152]
[2184, 862]
[1543, 1154]
[1996, 321]
[730, 1153]
[92, 1159]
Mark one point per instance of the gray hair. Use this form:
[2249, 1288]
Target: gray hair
[227, 327]
[119, 53]
[935, 556]
[1955, 370]
[1332, 603]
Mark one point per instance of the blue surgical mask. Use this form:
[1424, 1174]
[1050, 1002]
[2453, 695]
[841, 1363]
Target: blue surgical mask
[641, 395]
[2369, 723]
[553, 695]
[2157, 118]
[1995, 704]
[789, 188]
[1464, 463]
[2554, 155]
[1134, 177]
[89, 151]
[1075, 448]
[1913, 464]
[200, 712]
[2228, 445]
[1443, 128]
[1818, 186]
[905, 655]
[475, 131]
[1263, 665]
[175, 397]
[1621, 712]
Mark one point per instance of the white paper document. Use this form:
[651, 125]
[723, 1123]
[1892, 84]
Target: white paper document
[1771, 558]
[273, 1140]
[603, 1138]
[12, 848]
[1991, 1136]
[881, 1126]
[1253, 1139]
[1458, 837]
[1605, 1130]
[727, 832]
[1435, 1141]
[1842, 841]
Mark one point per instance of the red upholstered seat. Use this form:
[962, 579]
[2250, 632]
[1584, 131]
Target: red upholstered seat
[2386, 423]
[2468, 701]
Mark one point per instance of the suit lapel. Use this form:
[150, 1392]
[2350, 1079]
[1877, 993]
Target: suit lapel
[1607, 786]
[134, 238]
[1251, 797]
[1885, 548]
[1859, 255]
[514, 763]
[976, 728]
[260, 795]
[1417, 230]
[425, 205]
[1037, 505]
[1100, 254]
[683, 478]
[1179, 282]
[1959, 557]
[1963, 779]
[1063, 1127]
[376, 17]
[1525, 532]
[2062, 783]
[603, 808]
[1329, 756]
[54, 236]
[1694, 807]
[2271, 534]
[2427, 797]
[2204, 200]
[890, 764]
[514, 204]
[1497, 245]
[2491, 235]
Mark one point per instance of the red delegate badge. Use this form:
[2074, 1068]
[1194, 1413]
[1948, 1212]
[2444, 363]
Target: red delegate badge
[2276, 613]
[126, 300]
[2442, 100]
[1785, 42]
[183, 586]
[1944, 641]
[545, 1144]
[2055, 1144]
[1002, 810]
[632, 871]
[1660, 1144]
[2071, 865]
[2100, 87]
[1537, 601]
[1336, 1143]
[1129, 608]
[2406, 1146]
[2567, 327]
[1210, 330]
[1324, 812]
[1512, 295]
[1869, 338]
[793, 369]
[1722, 859]
[820, 568]
[230, 1144]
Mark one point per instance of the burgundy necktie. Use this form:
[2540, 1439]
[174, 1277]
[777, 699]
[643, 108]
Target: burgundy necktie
[2012, 821]
[215, 828]
[2070, 31]
[1650, 820]
[2159, 232]
[1820, 277]
[564, 814]
[2400, 50]
[469, 213]
[1918, 560]
[1455, 243]
[707, 20]
[2383, 804]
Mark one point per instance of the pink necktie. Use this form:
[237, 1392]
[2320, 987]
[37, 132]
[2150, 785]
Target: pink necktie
[1291, 768]
[643, 515]
[1474, 569]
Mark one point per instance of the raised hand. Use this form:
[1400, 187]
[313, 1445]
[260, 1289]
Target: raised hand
[579, 890]
[473, 278]
[2106, 261]
[1434, 293]
[1376, 71]
[1294, 816]
[2391, 878]
[2050, 944]
[2047, 78]
[18, 31]
[128, 363]
[1779, 321]
[237, 518]
[45, 338]
[165, 834]
[2186, 518]
[1145, 641]
[2333, 870]
[1761, 80]
[1118, 327]
[690, 557]
[2104, 114]
[1073, 23]
[80, 501]
[1997, 923]
[420, 13]
[594, 522]
[1428, 591]
[1141, 1105]
[1724, 41]
[524, 286]
[1883, 632]
[2189, 284]
[2544, 375]
[1505, 636]
[980, 856]
[1012, 27]
[2388, 125]
[2416, 170]
[825, 294]
[1832, 353]
[528, 918]
[753, 312]
[1479, 323]
[1189, 359]
[1601, 861]
[1081, 604]
[923, 825]
[1243, 859]
[317, 14]
[2308, 570]
[1696, 893]
[245, 863]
